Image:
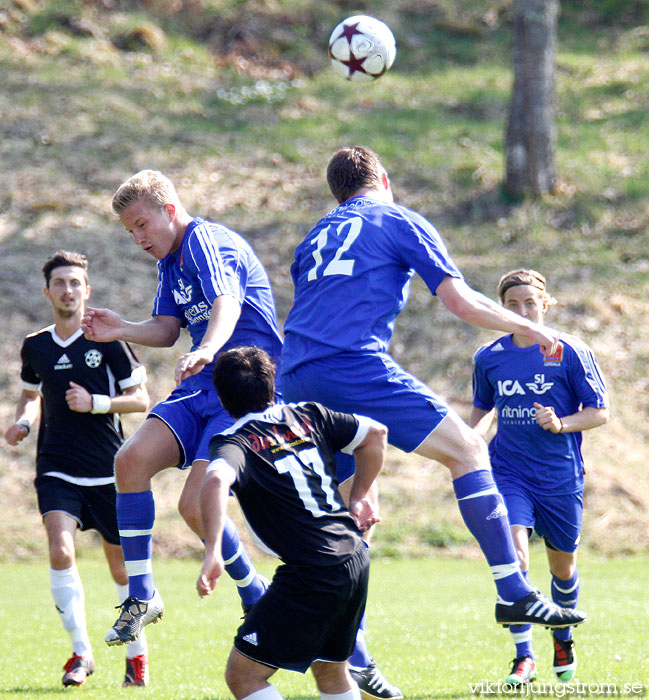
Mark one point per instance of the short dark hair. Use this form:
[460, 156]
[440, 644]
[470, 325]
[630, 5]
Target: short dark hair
[64, 258]
[351, 169]
[244, 379]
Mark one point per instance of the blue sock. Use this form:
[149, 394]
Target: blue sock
[239, 567]
[361, 657]
[135, 518]
[565, 594]
[485, 514]
[522, 634]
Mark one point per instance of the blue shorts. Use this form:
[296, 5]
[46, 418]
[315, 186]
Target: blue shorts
[557, 519]
[193, 417]
[372, 385]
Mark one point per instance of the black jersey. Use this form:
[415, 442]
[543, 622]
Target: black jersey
[79, 445]
[285, 479]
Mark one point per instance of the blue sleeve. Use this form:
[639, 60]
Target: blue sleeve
[421, 247]
[164, 303]
[483, 392]
[220, 268]
[586, 377]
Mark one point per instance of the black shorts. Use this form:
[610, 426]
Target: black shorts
[308, 613]
[93, 507]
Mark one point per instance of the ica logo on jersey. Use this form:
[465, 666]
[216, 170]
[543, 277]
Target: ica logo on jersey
[509, 387]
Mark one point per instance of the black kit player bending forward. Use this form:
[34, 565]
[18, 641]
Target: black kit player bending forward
[279, 462]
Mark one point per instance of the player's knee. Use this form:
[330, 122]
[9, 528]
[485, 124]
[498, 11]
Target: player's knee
[237, 680]
[564, 571]
[190, 510]
[124, 461]
[331, 678]
[61, 554]
[471, 454]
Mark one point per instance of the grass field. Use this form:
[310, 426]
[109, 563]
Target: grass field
[430, 627]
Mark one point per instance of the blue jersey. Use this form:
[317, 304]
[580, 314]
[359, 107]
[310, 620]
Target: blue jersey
[210, 262]
[352, 278]
[511, 379]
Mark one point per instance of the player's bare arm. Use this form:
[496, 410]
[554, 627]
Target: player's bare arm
[214, 502]
[27, 411]
[132, 400]
[585, 419]
[224, 315]
[480, 420]
[480, 311]
[104, 325]
[369, 456]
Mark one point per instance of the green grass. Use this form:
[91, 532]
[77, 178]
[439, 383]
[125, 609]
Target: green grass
[430, 627]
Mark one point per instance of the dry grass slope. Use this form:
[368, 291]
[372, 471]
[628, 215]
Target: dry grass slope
[88, 99]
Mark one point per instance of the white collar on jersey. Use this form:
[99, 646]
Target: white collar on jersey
[68, 341]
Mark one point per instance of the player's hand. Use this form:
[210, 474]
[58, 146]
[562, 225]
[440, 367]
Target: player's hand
[78, 398]
[192, 363]
[364, 513]
[211, 571]
[546, 338]
[16, 433]
[547, 418]
[101, 325]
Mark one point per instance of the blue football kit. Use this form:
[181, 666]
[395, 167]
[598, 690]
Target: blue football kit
[539, 473]
[352, 278]
[211, 261]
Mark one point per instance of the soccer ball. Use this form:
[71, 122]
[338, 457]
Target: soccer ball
[362, 48]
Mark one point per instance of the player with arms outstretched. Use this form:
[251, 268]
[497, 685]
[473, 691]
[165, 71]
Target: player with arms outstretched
[79, 387]
[352, 274]
[211, 281]
[543, 403]
[279, 461]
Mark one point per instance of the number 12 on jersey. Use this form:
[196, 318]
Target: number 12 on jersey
[338, 265]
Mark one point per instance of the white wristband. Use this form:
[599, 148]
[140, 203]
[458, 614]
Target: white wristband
[25, 423]
[100, 403]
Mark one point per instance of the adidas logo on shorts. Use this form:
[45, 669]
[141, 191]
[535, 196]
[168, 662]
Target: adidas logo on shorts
[251, 638]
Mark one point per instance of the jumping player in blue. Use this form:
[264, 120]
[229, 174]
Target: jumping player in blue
[211, 281]
[351, 276]
[543, 404]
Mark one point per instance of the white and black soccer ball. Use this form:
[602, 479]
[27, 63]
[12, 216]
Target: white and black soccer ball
[362, 48]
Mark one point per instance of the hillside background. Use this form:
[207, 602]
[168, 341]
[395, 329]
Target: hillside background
[236, 102]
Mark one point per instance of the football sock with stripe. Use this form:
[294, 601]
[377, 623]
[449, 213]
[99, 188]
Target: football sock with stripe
[565, 594]
[361, 657]
[239, 567]
[485, 515]
[139, 646]
[69, 599]
[522, 634]
[135, 518]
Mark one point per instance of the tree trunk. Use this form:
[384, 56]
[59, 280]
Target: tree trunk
[531, 132]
